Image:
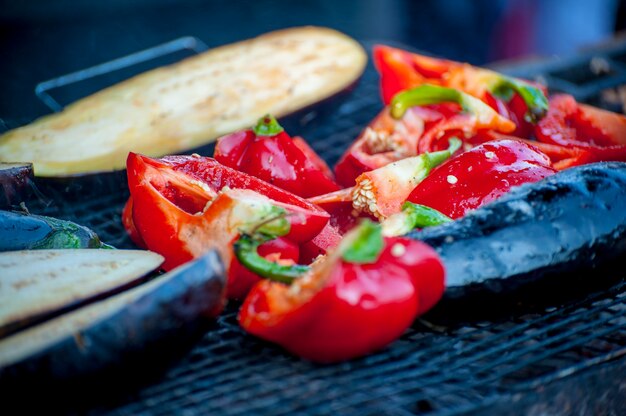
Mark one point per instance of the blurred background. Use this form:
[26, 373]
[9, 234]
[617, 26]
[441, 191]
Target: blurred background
[42, 39]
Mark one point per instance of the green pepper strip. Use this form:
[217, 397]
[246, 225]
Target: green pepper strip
[267, 126]
[422, 216]
[362, 245]
[413, 216]
[246, 252]
[433, 94]
[434, 159]
[536, 101]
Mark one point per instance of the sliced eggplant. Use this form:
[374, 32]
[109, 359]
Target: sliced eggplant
[189, 104]
[542, 240]
[16, 180]
[128, 333]
[22, 231]
[40, 283]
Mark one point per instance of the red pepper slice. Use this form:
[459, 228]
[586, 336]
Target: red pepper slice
[594, 134]
[480, 175]
[306, 219]
[358, 299]
[268, 153]
[180, 217]
[521, 101]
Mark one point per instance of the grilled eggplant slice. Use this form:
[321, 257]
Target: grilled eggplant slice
[41, 283]
[22, 231]
[16, 180]
[189, 104]
[127, 332]
[542, 240]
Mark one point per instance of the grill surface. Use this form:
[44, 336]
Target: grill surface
[462, 367]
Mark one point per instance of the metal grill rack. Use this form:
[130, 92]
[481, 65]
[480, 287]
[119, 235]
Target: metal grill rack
[514, 364]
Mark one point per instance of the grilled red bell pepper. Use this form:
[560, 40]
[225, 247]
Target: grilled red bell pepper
[181, 217]
[267, 152]
[356, 300]
[480, 175]
[586, 134]
[306, 219]
[520, 101]
[417, 121]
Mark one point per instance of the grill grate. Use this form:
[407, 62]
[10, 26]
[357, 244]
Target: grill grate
[430, 370]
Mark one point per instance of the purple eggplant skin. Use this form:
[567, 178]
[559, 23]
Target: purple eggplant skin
[22, 231]
[16, 182]
[132, 344]
[551, 239]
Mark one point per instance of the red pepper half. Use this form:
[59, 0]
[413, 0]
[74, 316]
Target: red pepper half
[306, 219]
[588, 134]
[358, 299]
[267, 152]
[180, 217]
[521, 101]
[480, 175]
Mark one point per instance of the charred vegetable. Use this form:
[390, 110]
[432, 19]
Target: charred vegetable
[141, 326]
[544, 238]
[15, 181]
[22, 231]
[40, 283]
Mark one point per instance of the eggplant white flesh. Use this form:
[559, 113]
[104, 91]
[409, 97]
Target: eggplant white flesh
[38, 283]
[129, 329]
[16, 180]
[189, 104]
[566, 233]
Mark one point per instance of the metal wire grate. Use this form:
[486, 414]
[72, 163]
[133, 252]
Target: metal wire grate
[430, 370]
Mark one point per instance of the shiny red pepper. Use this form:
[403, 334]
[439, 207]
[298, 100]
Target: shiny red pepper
[520, 101]
[269, 153]
[480, 175]
[181, 217]
[358, 299]
[584, 133]
[306, 219]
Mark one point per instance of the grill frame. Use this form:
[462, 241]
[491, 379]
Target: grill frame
[462, 368]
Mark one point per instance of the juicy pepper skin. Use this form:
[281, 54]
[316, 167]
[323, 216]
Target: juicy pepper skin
[357, 300]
